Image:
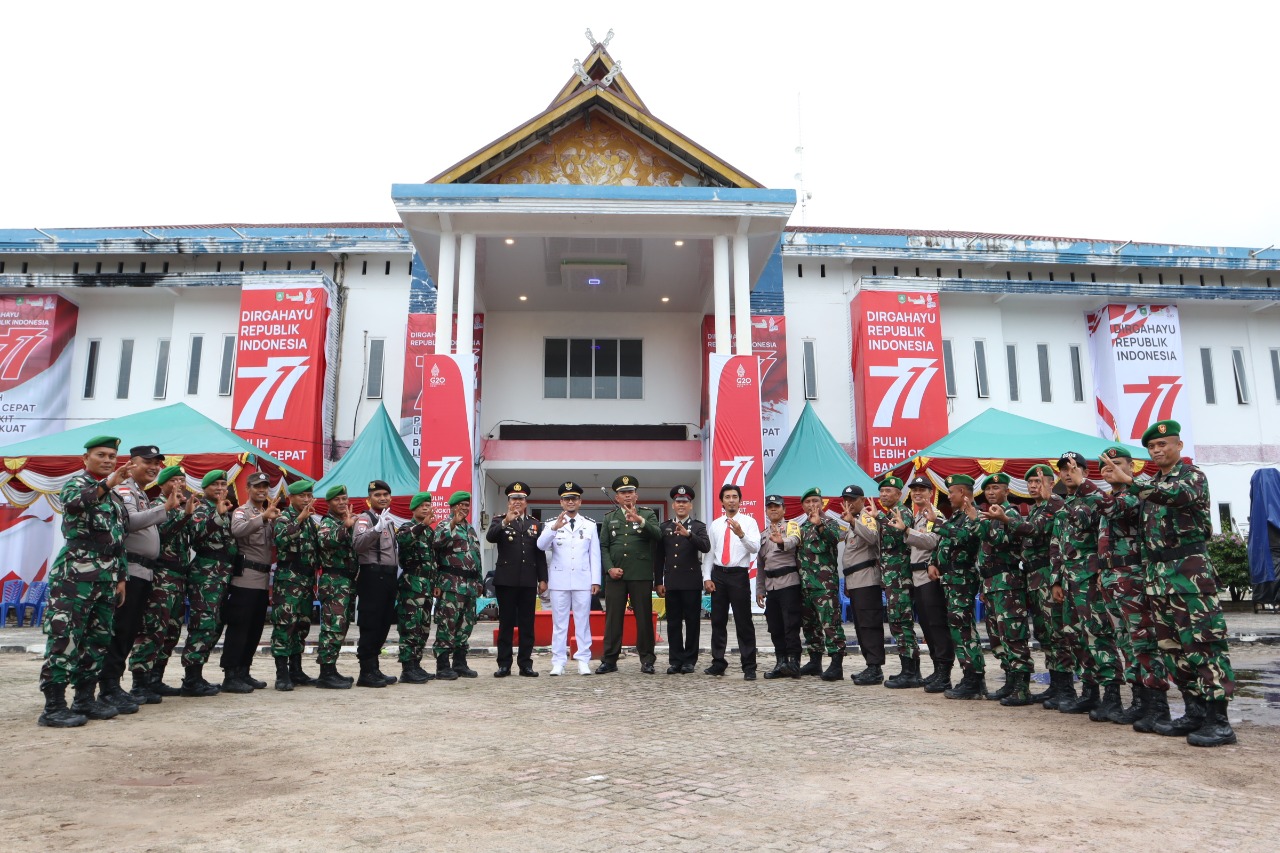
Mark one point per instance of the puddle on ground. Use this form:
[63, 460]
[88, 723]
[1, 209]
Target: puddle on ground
[1257, 695]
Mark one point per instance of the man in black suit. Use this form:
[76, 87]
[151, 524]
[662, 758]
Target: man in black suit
[519, 575]
[677, 576]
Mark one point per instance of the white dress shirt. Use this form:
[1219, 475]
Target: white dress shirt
[742, 549]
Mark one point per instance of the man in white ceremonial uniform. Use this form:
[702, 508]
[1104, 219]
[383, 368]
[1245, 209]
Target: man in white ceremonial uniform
[572, 543]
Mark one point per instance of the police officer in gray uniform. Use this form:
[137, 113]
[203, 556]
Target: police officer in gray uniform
[374, 538]
[245, 612]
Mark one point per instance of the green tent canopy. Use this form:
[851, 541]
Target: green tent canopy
[812, 457]
[378, 453]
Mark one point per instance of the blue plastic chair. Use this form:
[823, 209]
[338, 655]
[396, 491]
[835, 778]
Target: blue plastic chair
[977, 608]
[37, 598]
[12, 600]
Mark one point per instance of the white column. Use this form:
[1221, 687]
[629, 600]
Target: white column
[444, 293]
[466, 293]
[720, 288]
[742, 294]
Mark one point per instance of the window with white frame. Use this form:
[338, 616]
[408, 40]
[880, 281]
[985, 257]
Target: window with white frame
[193, 364]
[161, 388]
[593, 368]
[1042, 361]
[1011, 357]
[373, 378]
[810, 371]
[126, 369]
[1242, 378]
[227, 371]
[91, 368]
[948, 367]
[980, 368]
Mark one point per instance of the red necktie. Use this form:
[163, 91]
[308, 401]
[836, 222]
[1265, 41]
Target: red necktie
[724, 555]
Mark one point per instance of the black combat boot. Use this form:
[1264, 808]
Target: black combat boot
[903, 678]
[1047, 693]
[873, 674]
[814, 666]
[56, 714]
[967, 688]
[417, 666]
[1087, 702]
[283, 681]
[1065, 692]
[233, 683]
[940, 681]
[111, 693]
[1006, 688]
[1216, 730]
[255, 683]
[369, 676]
[1157, 712]
[444, 671]
[780, 668]
[1110, 704]
[793, 666]
[409, 673]
[329, 678]
[296, 675]
[835, 672]
[1020, 696]
[1191, 720]
[460, 665]
[193, 683]
[157, 684]
[94, 709]
[1136, 710]
[141, 690]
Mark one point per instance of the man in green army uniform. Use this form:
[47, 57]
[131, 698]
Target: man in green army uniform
[1087, 629]
[1004, 587]
[85, 582]
[162, 620]
[293, 586]
[207, 581]
[1124, 585]
[955, 564]
[1182, 591]
[820, 578]
[895, 574]
[413, 596]
[1046, 615]
[337, 576]
[628, 537]
[457, 586]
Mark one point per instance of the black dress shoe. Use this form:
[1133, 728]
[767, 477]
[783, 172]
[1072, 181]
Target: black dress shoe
[502, 672]
[606, 668]
[528, 672]
[646, 668]
[715, 669]
[674, 669]
[749, 675]
[687, 669]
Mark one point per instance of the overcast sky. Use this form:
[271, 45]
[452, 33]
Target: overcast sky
[1142, 121]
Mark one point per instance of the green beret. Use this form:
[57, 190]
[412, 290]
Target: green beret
[1041, 470]
[891, 480]
[1117, 451]
[212, 477]
[335, 492]
[458, 497]
[1000, 479]
[959, 480]
[102, 441]
[625, 483]
[168, 474]
[300, 487]
[418, 500]
[1161, 429]
[812, 492]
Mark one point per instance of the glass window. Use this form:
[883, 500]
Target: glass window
[948, 367]
[980, 368]
[193, 364]
[1242, 378]
[1042, 358]
[91, 369]
[373, 381]
[606, 367]
[580, 362]
[226, 375]
[126, 367]
[630, 370]
[1206, 366]
[1077, 374]
[1275, 371]
[555, 368]
[592, 368]
[161, 388]
[1011, 355]
[810, 372]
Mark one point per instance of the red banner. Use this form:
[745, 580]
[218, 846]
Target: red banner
[769, 344]
[446, 400]
[278, 402]
[420, 341]
[35, 365]
[736, 448]
[900, 396]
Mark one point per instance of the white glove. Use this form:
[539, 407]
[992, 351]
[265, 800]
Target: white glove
[384, 518]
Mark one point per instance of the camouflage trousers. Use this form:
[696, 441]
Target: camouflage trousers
[334, 592]
[162, 621]
[206, 588]
[78, 624]
[413, 616]
[292, 597]
[820, 614]
[455, 618]
[1047, 626]
[1087, 628]
[960, 585]
[1124, 591]
[1190, 628]
[897, 590]
[1007, 626]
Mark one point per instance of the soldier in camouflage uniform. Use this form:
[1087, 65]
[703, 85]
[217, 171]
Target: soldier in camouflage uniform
[1124, 584]
[1046, 616]
[337, 577]
[162, 620]
[207, 581]
[1004, 587]
[820, 578]
[1087, 629]
[413, 597]
[293, 587]
[895, 574]
[1183, 592]
[85, 581]
[457, 586]
[955, 564]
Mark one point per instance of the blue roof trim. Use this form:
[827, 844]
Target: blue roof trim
[586, 192]
[1110, 291]
[422, 288]
[767, 297]
[214, 239]
[20, 281]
